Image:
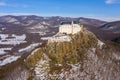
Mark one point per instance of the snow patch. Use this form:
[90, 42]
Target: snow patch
[3, 50]
[16, 22]
[116, 56]
[29, 48]
[3, 36]
[9, 60]
[93, 49]
[100, 44]
[39, 26]
[10, 19]
[42, 68]
[45, 38]
[44, 23]
[111, 27]
[3, 29]
[12, 39]
[63, 37]
[25, 17]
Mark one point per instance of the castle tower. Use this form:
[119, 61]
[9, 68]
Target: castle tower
[72, 25]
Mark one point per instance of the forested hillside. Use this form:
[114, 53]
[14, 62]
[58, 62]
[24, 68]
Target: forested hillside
[85, 57]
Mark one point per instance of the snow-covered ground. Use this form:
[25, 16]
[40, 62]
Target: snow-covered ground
[59, 38]
[42, 71]
[3, 36]
[100, 44]
[9, 40]
[3, 29]
[45, 38]
[9, 19]
[12, 42]
[40, 33]
[42, 68]
[63, 37]
[45, 23]
[3, 50]
[9, 60]
[39, 26]
[12, 39]
[29, 48]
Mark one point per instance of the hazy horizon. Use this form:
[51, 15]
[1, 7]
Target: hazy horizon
[107, 10]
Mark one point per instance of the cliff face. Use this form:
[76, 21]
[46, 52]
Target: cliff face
[102, 67]
[84, 58]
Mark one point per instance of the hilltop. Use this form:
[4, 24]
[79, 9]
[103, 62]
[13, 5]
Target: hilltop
[85, 57]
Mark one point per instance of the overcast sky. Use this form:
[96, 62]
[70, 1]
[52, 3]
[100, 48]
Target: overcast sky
[100, 9]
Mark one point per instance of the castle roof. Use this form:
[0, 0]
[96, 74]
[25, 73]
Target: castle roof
[68, 22]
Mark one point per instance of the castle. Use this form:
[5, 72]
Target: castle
[70, 27]
[65, 29]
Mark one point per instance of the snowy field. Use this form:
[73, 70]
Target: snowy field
[45, 38]
[29, 48]
[3, 50]
[6, 39]
[8, 42]
[8, 60]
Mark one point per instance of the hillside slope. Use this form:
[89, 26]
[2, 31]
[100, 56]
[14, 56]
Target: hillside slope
[113, 28]
[85, 57]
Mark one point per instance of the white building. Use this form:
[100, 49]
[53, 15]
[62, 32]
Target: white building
[65, 29]
[70, 27]
[59, 38]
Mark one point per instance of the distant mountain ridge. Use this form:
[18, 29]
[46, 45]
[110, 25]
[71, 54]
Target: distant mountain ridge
[35, 24]
[53, 20]
[113, 27]
[26, 24]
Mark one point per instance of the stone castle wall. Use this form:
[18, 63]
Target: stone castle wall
[70, 29]
[64, 30]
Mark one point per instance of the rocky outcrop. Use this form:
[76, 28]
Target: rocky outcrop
[88, 61]
[96, 66]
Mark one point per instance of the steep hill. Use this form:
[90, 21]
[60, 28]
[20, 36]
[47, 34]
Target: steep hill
[85, 57]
